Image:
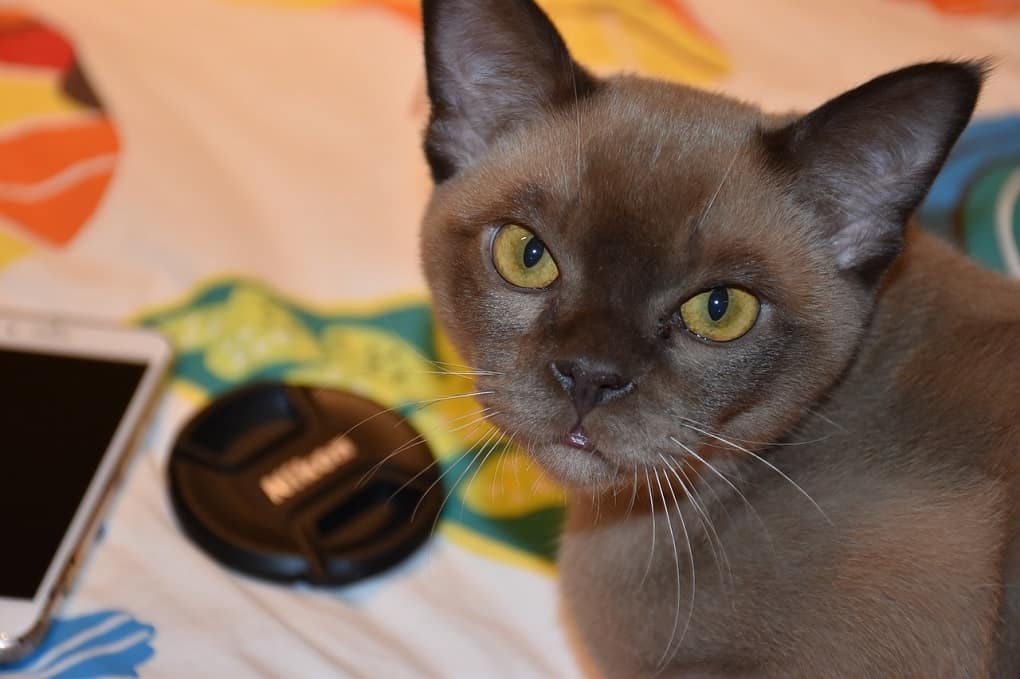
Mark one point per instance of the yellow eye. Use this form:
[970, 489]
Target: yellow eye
[522, 259]
[720, 314]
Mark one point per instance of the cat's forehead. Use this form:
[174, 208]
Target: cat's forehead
[639, 157]
[631, 142]
[653, 182]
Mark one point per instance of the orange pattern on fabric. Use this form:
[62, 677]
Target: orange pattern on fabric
[657, 38]
[13, 17]
[409, 9]
[59, 218]
[21, 161]
[57, 148]
[975, 7]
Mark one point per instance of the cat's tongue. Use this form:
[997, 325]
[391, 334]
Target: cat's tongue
[578, 438]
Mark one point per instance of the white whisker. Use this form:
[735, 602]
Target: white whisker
[446, 471]
[475, 457]
[826, 419]
[714, 470]
[420, 438]
[577, 119]
[763, 461]
[710, 531]
[467, 368]
[718, 189]
[651, 513]
[497, 478]
[633, 494]
[676, 561]
[478, 469]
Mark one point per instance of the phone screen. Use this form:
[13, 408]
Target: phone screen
[58, 415]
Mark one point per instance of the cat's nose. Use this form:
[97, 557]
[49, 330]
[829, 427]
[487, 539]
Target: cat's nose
[590, 383]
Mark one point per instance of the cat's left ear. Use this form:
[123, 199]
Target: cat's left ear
[865, 160]
[492, 65]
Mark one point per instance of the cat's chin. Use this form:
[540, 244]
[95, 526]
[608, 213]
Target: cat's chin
[578, 469]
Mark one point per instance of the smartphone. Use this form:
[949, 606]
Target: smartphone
[73, 394]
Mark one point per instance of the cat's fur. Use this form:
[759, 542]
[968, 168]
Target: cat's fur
[880, 539]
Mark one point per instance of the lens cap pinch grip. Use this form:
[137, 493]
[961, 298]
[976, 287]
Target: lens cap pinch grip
[301, 484]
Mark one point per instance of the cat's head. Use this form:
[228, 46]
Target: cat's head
[640, 266]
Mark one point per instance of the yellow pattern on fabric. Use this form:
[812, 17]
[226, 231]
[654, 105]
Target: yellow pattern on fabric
[10, 249]
[234, 330]
[32, 96]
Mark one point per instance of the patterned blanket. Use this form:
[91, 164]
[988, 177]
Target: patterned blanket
[245, 177]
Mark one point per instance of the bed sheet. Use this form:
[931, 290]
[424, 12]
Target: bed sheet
[246, 177]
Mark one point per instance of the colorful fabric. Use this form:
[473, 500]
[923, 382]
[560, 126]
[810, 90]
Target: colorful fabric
[58, 148]
[975, 201]
[236, 331]
[246, 176]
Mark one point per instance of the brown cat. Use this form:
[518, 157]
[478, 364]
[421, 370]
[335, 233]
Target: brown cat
[789, 423]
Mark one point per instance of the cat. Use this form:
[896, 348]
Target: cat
[787, 420]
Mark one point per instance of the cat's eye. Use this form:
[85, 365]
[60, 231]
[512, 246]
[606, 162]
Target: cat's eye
[721, 314]
[522, 259]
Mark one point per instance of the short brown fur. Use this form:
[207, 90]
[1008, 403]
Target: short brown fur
[860, 517]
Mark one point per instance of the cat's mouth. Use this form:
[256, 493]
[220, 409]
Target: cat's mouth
[578, 439]
[575, 459]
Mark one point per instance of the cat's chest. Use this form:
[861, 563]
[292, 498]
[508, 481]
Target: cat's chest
[635, 603]
[887, 577]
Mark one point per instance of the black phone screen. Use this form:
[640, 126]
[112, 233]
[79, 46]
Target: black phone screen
[58, 415]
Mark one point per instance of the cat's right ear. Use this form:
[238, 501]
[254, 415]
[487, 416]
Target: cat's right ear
[491, 65]
[865, 160]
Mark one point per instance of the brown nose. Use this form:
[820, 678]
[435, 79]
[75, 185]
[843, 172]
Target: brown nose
[590, 383]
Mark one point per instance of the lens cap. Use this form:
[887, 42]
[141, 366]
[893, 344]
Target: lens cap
[302, 484]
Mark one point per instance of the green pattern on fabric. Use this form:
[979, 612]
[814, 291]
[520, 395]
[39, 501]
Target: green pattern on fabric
[238, 331]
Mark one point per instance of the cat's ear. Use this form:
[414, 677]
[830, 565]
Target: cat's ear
[865, 160]
[491, 65]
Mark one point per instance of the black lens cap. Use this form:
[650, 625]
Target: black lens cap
[303, 484]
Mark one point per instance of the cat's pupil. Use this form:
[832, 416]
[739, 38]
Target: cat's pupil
[533, 252]
[718, 302]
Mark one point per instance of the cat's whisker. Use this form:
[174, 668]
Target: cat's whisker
[718, 190]
[517, 475]
[469, 452]
[432, 464]
[690, 451]
[577, 120]
[438, 480]
[710, 531]
[497, 472]
[659, 143]
[424, 471]
[822, 417]
[764, 461]
[480, 411]
[705, 483]
[767, 444]
[421, 437]
[424, 403]
[481, 465]
[651, 514]
[698, 498]
[445, 367]
[633, 494]
[534, 484]
[411, 444]
[676, 563]
[454, 373]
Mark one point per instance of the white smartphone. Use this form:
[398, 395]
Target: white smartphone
[72, 397]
